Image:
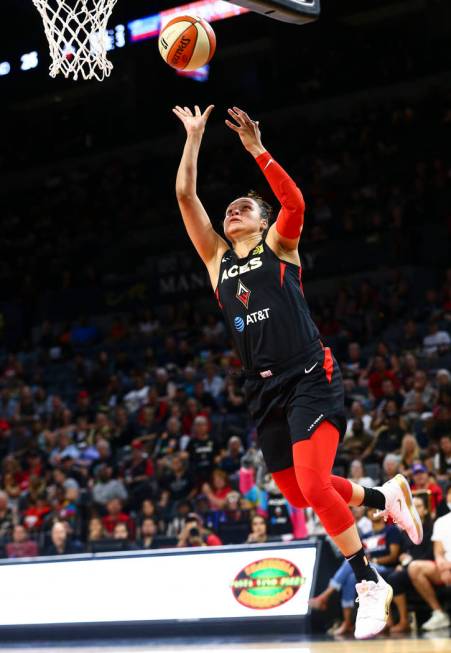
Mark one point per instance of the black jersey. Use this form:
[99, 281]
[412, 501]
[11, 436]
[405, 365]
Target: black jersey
[264, 307]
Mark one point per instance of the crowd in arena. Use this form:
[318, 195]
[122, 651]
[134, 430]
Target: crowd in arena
[138, 437]
[131, 432]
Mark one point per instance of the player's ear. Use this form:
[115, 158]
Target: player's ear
[263, 224]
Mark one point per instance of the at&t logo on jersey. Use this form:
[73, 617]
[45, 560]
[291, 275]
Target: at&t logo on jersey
[235, 270]
[252, 318]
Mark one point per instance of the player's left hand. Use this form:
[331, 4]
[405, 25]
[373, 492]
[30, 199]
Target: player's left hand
[248, 130]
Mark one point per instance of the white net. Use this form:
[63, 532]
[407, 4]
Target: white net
[77, 34]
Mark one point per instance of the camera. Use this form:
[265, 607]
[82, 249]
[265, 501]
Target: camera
[194, 532]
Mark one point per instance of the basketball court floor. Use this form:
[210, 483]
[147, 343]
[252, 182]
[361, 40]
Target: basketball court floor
[425, 644]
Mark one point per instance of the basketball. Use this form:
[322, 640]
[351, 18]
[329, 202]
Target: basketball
[187, 42]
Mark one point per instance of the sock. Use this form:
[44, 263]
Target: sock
[361, 567]
[373, 498]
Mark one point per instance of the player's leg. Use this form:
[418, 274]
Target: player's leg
[313, 461]
[275, 442]
[336, 583]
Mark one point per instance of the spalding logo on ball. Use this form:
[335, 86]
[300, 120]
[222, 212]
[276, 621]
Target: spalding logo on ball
[187, 42]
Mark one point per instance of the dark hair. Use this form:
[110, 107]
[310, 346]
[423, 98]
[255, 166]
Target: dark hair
[266, 211]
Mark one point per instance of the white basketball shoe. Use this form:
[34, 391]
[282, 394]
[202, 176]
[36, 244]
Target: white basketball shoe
[400, 507]
[374, 607]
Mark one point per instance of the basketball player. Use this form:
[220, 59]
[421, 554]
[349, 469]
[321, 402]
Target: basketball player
[293, 384]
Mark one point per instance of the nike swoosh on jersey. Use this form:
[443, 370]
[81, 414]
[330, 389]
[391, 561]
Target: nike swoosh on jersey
[269, 163]
[312, 368]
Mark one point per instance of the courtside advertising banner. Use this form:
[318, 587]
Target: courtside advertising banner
[207, 584]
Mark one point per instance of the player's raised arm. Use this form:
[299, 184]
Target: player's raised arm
[285, 233]
[207, 242]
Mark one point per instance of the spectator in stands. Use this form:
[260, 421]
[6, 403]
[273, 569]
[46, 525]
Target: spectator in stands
[6, 517]
[213, 383]
[229, 460]
[96, 532]
[138, 471]
[358, 411]
[194, 533]
[444, 507]
[359, 443]
[388, 431]
[232, 521]
[357, 475]
[176, 478]
[442, 378]
[420, 399]
[379, 372]
[147, 533]
[399, 579]
[138, 396]
[442, 459]
[176, 524]
[441, 414]
[437, 341]
[426, 574]
[259, 530]
[201, 450]
[121, 533]
[390, 467]
[106, 487]
[423, 485]
[355, 364]
[217, 490]
[22, 546]
[388, 394]
[410, 454]
[60, 542]
[115, 515]
[410, 339]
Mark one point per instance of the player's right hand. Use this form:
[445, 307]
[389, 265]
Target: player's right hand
[194, 124]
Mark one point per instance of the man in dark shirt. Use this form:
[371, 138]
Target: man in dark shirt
[202, 450]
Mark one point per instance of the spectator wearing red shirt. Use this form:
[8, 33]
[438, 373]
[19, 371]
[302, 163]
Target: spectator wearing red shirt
[34, 515]
[217, 492]
[423, 483]
[138, 472]
[21, 546]
[116, 516]
[378, 373]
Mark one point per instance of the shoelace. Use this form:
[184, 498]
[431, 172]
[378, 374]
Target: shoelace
[384, 514]
[367, 600]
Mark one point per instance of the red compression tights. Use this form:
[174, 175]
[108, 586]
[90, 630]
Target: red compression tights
[310, 482]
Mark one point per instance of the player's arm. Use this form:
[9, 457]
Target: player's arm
[284, 235]
[207, 242]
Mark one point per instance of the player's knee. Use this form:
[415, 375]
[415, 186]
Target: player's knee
[290, 489]
[311, 487]
[296, 499]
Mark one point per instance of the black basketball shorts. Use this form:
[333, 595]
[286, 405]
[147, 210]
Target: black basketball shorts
[290, 402]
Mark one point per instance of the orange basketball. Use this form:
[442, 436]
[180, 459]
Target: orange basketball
[187, 42]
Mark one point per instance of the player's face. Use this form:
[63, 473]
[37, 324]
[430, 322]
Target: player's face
[243, 218]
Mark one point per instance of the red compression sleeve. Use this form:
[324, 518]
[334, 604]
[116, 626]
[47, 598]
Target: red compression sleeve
[291, 216]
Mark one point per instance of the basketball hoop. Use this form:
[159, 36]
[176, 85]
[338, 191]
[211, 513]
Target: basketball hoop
[77, 34]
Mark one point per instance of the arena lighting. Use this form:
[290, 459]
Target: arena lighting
[212, 10]
[289, 11]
